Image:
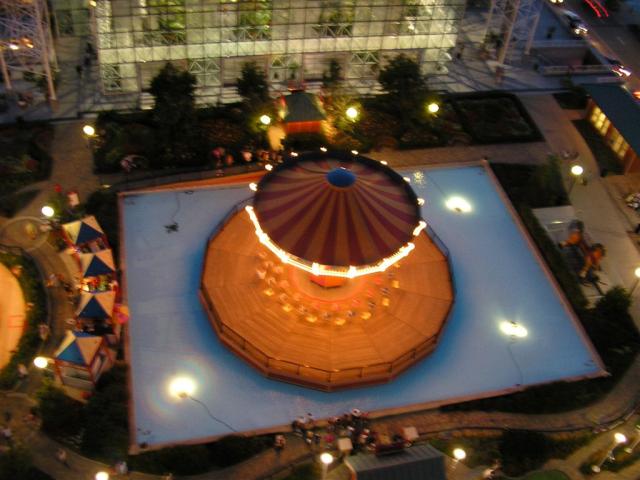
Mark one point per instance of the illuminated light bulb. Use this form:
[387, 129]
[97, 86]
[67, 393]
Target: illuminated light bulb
[420, 201]
[268, 167]
[253, 186]
[323, 149]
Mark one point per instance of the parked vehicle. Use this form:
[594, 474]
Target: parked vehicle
[618, 68]
[575, 23]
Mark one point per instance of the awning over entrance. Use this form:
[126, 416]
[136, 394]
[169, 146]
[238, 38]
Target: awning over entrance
[420, 462]
[622, 110]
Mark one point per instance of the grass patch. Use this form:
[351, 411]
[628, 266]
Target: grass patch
[607, 161]
[307, 471]
[519, 451]
[34, 297]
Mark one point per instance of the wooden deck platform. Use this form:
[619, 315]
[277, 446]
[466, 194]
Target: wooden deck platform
[366, 331]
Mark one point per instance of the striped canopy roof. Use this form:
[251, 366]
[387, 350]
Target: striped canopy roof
[99, 263]
[336, 209]
[83, 231]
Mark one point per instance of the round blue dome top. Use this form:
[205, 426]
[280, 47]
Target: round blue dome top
[341, 177]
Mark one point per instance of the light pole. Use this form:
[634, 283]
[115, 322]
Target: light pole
[48, 211]
[458, 455]
[636, 273]
[618, 439]
[352, 113]
[184, 387]
[327, 459]
[41, 362]
[89, 132]
[635, 443]
[576, 172]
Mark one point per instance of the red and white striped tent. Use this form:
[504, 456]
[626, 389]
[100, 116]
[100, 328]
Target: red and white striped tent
[337, 209]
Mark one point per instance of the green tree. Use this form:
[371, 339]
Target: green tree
[332, 78]
[252, 86]
[174, 115]
[405, 85]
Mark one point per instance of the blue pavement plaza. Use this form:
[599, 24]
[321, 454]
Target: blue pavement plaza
[497, 278]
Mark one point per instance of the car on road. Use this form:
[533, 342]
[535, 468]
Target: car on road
[618, 68]
[575, 23]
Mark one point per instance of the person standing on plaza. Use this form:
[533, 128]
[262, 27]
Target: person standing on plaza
[61, 455]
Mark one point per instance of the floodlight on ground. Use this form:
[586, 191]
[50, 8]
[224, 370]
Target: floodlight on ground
[102, 476]
[294, 154]
[406, 179]
[268, 167]
[513, 329]
[420, 201]
[354, 152]
[265, 120]
[88, 130]
[323, 149]
[182, 387]
[253, 186]
[352, 113]
[48, 211]
[433, 107]
[41, 362]
[458, 204]
[384, 162]
[459, 454]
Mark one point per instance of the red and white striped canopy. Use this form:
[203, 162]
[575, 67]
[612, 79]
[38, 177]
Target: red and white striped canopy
[336, 209]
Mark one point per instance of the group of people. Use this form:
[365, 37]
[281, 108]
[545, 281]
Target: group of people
[223, 157]
[353, 425]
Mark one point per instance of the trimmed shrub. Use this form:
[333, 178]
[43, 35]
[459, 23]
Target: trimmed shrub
[105, 435]
[235, 449]
[61, 416]
[186, 460]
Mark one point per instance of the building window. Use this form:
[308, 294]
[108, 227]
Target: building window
[336, 19]
[111, 78]
[165, 22]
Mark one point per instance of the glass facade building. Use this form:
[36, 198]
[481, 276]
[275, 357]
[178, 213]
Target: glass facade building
[292, 40]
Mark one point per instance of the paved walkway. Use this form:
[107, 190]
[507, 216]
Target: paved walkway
[594, 207]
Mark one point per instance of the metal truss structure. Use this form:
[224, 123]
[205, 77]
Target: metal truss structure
[511, 25]
[26, 44]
